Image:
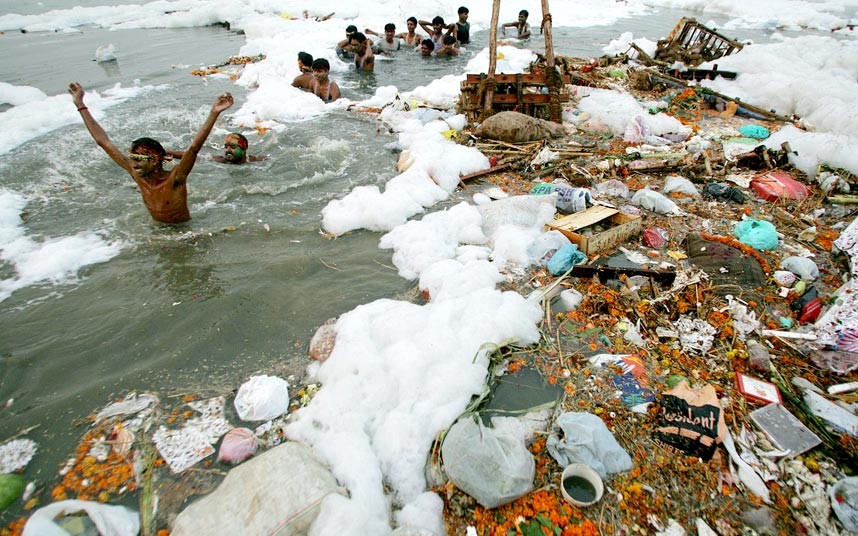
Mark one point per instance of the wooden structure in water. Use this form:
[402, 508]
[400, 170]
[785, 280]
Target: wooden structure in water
[693, 43]
[535, 94]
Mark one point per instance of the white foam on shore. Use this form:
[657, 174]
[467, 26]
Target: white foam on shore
[55, 260]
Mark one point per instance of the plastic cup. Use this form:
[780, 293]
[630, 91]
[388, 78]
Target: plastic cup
[581, 485]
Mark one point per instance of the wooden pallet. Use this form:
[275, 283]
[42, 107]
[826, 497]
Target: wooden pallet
[523, 92]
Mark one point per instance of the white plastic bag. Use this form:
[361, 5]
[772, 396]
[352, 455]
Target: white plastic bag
[110, 520]
[656, 202]
[678, 184]
[545, 245]
[262, 398]
[492, 465]
[588, 441]
[802, 267]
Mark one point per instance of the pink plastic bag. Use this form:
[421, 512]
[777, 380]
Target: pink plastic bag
[777, 185]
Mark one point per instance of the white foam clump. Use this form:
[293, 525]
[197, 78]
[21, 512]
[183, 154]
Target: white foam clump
[35, 118]
[53, 259]
[621, 45]
[620, 113]
[792, 14]
[18, 95]
[813, 77]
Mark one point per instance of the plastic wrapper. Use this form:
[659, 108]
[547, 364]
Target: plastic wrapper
[262, 398]
[587, 440]
[238, 445]
[759, 234]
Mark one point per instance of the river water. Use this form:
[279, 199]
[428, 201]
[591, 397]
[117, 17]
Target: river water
[242, 287]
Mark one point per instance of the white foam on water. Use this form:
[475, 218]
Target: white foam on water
[55, 260]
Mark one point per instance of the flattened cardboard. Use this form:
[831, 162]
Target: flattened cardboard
[623, 226]
[759, 391]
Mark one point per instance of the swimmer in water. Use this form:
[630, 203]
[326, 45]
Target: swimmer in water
[234, 151]
[325, 88]
[305, 79]
[165, 193]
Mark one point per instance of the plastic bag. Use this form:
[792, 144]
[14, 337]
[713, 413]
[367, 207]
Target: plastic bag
[613, 188]
[110, 520]
[569, 199]
[656, 202]
[690, 421]
[11, 487]
[262, 398]
[759, 234]
[754, 131]
[680, 185]
[802, 267]
[238, 445]
[844, 502]
[723, 192]
[564, 259]
[588, 441]
[545, 245]
[492, 465]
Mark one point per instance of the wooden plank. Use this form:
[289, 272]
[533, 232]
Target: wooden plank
[664, 277]
[488, 171]
[583, 219]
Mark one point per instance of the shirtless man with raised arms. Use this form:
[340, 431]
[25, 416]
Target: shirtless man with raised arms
[165, 193]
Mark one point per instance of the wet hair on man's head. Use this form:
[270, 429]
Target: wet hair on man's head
[463, 9]
[428, 43]
[389, 27]
[305, 58]
[150, 145]
[449, 40]
[351, 28]
[321, 64]
[412, 19]
[524, 12]
[359, 37]
[438, 20]
[242, 141]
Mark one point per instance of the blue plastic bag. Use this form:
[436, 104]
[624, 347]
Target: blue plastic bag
[754, 131]
[758, 234]
[564, 259]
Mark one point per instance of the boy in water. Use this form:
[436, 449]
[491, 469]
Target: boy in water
[165, 193]
[449, 48]
[463, 27]
[411, 38]
[436, 31]
[427, 47]
[305, 79]
[364, 59]
[389, 44]
[521, 25]
[344, 49]
[234, 151]
[324, 88]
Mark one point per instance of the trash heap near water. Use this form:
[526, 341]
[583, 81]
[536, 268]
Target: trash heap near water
[696, 371]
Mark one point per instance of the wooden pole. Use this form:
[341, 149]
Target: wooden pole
[493, 60]
[552, 77]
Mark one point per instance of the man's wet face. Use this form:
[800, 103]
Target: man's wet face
[232, 150]
[320, 75]
[437, 28]
[411, 26]
[425, 50]
[388, 34]
[522, 19]
[144, 161]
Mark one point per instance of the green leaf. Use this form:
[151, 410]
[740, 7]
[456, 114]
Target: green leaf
[532, 528]
[11, 487]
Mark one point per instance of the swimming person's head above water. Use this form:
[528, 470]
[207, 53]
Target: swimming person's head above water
[235, 148]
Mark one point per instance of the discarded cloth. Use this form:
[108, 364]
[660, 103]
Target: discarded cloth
[587, 440]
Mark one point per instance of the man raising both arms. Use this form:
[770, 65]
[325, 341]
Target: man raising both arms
[165, 193]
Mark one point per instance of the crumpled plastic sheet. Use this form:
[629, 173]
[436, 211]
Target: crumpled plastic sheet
[837, 327]
[744, 321]
[545, 156]
[133, 403]
[587, 440]
[192, 443]
[695, 335]
[16, 454]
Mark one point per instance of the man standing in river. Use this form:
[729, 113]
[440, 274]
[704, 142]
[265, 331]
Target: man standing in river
[165, 193]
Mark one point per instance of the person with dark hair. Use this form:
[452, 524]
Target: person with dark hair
[436, 31]
[324, 88]
[463, 27]
[165, 193]
[521, 25]
[427, 47]
[344, 49]
[305, 79]
[364, 59]
[234, 151]
[449, 48]
[389, 44]
[411, 38]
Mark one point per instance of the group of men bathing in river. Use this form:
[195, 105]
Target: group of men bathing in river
[165, 192]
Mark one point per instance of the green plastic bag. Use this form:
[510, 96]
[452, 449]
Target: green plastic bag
[11, 487]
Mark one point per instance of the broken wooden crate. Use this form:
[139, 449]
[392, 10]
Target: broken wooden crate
[621, 226]
[693, 43]
[521, 92]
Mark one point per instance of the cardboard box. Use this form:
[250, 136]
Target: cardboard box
[622, 226]
[758, 391]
